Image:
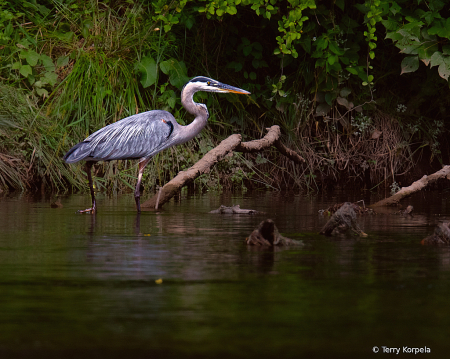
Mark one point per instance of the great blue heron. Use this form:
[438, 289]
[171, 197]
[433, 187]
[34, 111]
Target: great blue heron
[144, 135]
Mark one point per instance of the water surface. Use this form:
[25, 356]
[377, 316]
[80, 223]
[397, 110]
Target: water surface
[84, 286]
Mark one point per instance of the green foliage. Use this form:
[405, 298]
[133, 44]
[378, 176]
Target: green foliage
[372, 17]
[148, 71]
[169, 13]
[177, 72]
[20, 56]
[291, 26]
[420, 32]
[84, 64]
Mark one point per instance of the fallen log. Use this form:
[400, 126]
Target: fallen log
[415, 187]
[226, 147]
[234, 210]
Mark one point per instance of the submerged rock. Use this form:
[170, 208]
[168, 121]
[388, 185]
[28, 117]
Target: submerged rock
[266, 234]
[407, 211]
[56, 204]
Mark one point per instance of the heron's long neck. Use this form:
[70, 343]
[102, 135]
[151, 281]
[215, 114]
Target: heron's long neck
[198, 110]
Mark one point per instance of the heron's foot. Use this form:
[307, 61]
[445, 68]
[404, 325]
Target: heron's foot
[89, 210]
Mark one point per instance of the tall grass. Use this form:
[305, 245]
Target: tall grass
[31, 145]
[99, 90]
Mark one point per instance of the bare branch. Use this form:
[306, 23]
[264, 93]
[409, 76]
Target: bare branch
[416, 186]
[227, 146]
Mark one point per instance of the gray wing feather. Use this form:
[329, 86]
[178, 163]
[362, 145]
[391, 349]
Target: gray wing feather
[137, 136]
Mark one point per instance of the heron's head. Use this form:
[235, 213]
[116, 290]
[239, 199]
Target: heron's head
[201, 83]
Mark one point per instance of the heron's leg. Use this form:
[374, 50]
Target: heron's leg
[89, 165]
[137, 191]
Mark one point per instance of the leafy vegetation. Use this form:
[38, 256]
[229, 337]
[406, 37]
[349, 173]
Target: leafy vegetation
[342, 78]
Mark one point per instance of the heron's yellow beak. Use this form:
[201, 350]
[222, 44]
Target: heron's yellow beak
[227, 88]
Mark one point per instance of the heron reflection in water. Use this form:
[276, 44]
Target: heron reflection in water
[144, 135]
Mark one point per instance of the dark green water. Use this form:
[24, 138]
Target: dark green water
[83, 286]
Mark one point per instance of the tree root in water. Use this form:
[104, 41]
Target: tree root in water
[343, 220]
[266, 234]
[441, 235]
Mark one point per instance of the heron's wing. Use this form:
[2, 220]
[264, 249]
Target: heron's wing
[137, 136]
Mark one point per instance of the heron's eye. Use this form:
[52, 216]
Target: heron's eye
[209, 82]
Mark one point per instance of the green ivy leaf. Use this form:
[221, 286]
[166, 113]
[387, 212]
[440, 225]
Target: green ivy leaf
[32, 57]
[247, 50]
[321, 43]
[395, 8]
[62, 61]
[412, 49]
[409, 64]
[31, 79]
[189, 21]
[334, 48]
[51, 78]
[176, 70]
[390, 24]
[171, 102]
[427, 50]
[446, 49]
[437, 59]
[232, 10]
[39, 84]
[340, 4]
[408, 34]
[395, 36]
[442, 30]
[444, 68]
[352, 70]
[42, 92]
[148, 69]
[345, 60]
[47, 62]
[25, 70]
